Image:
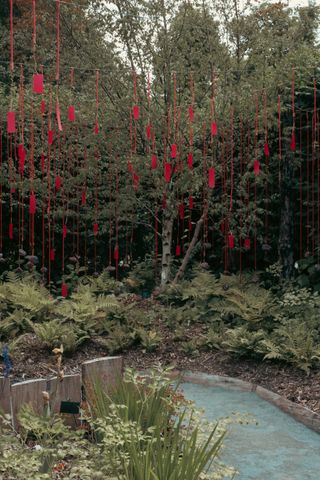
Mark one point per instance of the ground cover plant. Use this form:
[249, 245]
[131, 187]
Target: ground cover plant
[142, 429]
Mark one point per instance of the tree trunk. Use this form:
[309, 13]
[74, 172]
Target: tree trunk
[285, 245]
[167, 229]
[187, 256]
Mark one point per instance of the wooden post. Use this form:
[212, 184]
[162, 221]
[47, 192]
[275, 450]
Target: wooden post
[106, 370]
[29, 392]
[5, 402]
[67, 390]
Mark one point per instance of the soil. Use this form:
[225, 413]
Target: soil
[32, 361]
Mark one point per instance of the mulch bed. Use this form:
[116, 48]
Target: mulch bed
[32, 361]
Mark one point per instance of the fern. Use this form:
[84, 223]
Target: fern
[54, 333]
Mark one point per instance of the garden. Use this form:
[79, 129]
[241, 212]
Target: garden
[159, 208]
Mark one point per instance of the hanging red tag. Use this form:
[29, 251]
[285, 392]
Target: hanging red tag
[11, 231]
[231, 240]
[164, 202]
[95, 229]
[222, 227]
[58, 116]
[154, 162]
[214, 129]
[256, 167]
[52, 255]
[266, 150]
[96, 127]
[64, 290]
[58, 183]
[136, 180]
[181, 211]
[71, 113]
[11, 120]
[43, 107]
[50, 137]
[178, 250]
[148, 132]
[211, 177]
[167, 172]
[136, 112]
[293, 145]
[173, 150]
[64, 231]
[42, 163]
[130, 166]
[38, 83]
[83, 198]
[32, 204]
[191, 203]
[191, 114]
[116, 253]
[22, 158]
[190, 161]
[247, 243]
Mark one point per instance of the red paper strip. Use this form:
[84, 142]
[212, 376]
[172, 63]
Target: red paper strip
[154, 162]
[52, 254]
[266, 150]
[191, 203]
[167, 172]
[148, 132]
[136, 112]
[95, 229]
[64, 290]
[214, 129]
[293, 144]
[58, 116]
[256, 167]
[136, 180]
[191, 114]
[190, 161]
[64, 231]
[58, 183]
[71, 113]
[83, 198]
[11, 120]
[178, 250]
[50, 137]
[181, 211]
[11, 231]
[231, 240]
[43, 106]
[222, 227]
[32, 204]
[247, 243]
[211, 177]
[116, 253]
[22, 158]
[173, 150]
[38, 83]
[96, 127]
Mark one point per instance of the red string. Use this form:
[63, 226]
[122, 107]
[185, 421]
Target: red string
[314, 128]
[255, 181]
[301, 194]
[11, 37]
[308, 189]
[34, 24]
[58, 40]
[279, 139]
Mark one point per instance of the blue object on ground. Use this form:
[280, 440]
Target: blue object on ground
[278, 448]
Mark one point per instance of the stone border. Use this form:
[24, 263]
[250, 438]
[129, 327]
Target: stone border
[302, 414]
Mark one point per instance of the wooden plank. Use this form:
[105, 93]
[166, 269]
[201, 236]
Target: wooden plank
[5, 402]
[107, 370]
[69, 390]
[29, 392]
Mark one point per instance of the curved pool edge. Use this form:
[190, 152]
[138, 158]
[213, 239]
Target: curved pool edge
[302, 414]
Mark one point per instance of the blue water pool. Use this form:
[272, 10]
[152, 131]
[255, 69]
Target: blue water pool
[277, 448]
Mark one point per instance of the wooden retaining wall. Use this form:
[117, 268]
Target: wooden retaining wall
[72, 388]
